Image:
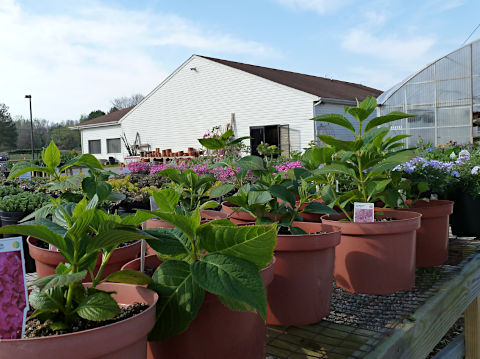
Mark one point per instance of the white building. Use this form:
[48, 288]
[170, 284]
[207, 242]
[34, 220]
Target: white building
[270, 105]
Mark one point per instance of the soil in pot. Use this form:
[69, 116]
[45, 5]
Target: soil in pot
[432, 236]
[301, 290]
[47, 260]
[464, 219]
[35, 329]
[124, 339]
[377, 257]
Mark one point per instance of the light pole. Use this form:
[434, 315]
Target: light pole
[31, 125]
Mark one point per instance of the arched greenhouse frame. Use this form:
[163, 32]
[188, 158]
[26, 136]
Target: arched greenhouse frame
[444, 96]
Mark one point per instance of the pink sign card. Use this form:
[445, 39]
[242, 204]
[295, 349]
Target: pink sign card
[13, 289]
[363, 212]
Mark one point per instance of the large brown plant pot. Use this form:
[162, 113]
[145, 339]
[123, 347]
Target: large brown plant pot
[217, 333]
[46, 260]
[301, 290]
[432, 236]
[235, 215]
[377, 257]
[126, 339]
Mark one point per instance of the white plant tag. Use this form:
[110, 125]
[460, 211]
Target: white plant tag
[363, 212]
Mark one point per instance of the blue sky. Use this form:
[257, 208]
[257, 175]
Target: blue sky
[75, 56]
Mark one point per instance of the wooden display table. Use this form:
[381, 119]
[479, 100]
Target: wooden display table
[404, 325]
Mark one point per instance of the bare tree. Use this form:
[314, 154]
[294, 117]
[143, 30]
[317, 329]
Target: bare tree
[124, 102]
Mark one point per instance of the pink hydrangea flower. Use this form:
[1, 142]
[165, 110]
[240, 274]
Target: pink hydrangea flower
[12, 298]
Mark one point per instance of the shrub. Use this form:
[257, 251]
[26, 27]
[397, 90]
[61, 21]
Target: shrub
[23, 202]
[9, 190]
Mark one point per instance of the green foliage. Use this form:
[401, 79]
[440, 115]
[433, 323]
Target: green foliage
[366, 161]
[278, 196]
[26, 202]
[8, 190]
[8, 131]
[80, 232]
[193, 191]
[217, 256]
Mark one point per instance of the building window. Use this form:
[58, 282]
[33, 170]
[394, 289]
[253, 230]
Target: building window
[114, 145]
[94, 146]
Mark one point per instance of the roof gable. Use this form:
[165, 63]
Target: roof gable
[319, 86]
[109, 117]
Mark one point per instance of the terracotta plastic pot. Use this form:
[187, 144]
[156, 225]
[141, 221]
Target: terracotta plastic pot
[432, 236]
[464, 220]
[150, 261]
[46, 260]
[235, 215]
[122, 340]
[301, 290]
[217, 333]
[377, 257]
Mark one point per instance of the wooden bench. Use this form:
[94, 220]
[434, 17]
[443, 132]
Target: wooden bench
[421, 326]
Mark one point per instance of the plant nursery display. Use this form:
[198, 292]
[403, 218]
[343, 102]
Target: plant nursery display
[280, 194]
[201, 260]
[80, 231]
[377, 257]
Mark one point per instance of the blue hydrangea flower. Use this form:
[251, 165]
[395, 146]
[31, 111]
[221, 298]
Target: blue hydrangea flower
[455, 174]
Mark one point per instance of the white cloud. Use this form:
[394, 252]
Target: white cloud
[319, 6]
[77, 62]
[397, 49]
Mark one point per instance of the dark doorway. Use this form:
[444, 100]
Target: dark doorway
[277, 135]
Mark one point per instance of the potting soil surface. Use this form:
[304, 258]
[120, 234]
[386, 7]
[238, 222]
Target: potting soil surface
[359, 322]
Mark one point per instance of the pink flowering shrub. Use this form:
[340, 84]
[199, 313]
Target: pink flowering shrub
[285, 166]
[12, 298]
[157, 168]
[137, 166]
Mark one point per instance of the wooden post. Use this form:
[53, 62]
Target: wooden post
[472, 330]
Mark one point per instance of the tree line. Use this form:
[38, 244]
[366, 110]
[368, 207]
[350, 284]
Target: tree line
[15, 132]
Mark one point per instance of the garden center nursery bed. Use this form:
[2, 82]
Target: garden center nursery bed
[368, 326]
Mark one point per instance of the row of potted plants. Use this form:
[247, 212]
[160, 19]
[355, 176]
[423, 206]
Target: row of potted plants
[195, 277]
[214, 268]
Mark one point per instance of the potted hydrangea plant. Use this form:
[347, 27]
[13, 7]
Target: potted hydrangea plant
[68, 312]
[72, 189]
[213, 275]
[301, 291]
[376, 257]
[420, 179]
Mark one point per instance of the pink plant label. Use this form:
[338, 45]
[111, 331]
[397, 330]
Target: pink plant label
[363, 212]
[13, 289]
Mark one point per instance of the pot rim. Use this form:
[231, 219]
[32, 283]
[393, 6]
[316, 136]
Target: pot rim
[409, 221]
[30, 239]
[89, 331]
[309, 241]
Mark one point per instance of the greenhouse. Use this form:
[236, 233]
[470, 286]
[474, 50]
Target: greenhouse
[444, 96]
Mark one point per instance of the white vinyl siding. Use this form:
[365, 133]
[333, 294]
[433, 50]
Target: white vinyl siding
[190, 102]
[102, 134]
